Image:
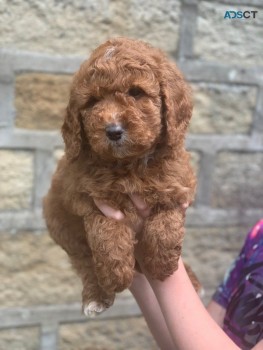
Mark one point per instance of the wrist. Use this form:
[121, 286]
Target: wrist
[176, 282]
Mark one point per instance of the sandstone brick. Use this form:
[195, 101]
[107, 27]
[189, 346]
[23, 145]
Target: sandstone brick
[129, 333]
[76, 27]
[20, 339]
[222, 109]
[156, 22]
[35, 271]
[210, 252]
[225, 40]
[16, 179]
[41, 100]
[238, 180]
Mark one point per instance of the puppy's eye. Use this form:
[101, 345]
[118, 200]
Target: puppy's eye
[136, 92]
[92, 101]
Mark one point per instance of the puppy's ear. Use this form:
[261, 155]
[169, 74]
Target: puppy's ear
[72, 133]
[177, 103]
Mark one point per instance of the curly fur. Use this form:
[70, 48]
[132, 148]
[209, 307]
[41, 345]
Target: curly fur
[130, 83]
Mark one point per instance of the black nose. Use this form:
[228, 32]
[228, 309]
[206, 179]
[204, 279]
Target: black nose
[114, 132]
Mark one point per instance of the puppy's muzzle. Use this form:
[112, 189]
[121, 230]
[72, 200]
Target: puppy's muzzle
[114, 132]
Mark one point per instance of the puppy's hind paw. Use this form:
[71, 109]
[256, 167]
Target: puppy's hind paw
[93, 309]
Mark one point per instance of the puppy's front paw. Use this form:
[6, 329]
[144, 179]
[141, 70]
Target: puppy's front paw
[95, 308]
[118, 278]
[163, 265]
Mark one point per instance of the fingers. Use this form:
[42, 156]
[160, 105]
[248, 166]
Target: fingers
[140, 205]
[143, 210]
[108, 211]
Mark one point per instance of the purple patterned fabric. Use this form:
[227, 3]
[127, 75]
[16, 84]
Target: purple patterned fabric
[241, 292]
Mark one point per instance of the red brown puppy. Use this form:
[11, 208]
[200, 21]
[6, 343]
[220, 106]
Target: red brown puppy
[124, 132]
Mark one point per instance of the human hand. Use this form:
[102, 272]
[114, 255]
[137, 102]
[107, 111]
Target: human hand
[142, 208]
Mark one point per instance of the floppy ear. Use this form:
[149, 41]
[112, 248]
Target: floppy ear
[71, 132]
[177, 103]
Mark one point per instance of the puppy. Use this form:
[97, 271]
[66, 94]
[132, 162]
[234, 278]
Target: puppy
[124, 132]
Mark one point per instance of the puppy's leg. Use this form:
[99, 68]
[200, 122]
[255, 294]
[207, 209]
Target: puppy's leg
[68, 231]
[112, 245]
[94, 299]
[161, 242]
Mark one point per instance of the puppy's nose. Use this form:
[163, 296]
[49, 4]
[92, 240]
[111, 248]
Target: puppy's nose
[114, 132]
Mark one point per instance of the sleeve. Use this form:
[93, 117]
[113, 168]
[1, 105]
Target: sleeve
[224, 291]
[234, 273]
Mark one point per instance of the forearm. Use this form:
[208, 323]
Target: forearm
[190, 325]
[150, 308]
[217, 312]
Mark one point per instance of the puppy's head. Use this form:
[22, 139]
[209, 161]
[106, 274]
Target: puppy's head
[125, 99]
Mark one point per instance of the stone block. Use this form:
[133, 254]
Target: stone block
[156, 22]
[35, 271]
[16, 179]
[238, 180]
[129, 333]
[20, 339]
[222, 109]
[210, 251]
[230, 41]
[68, 27]
[41, 100]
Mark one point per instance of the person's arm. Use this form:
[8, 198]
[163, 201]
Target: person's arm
[217, 312]
[189, 323]
[146, 299]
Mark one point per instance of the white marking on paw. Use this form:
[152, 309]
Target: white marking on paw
[93, 309]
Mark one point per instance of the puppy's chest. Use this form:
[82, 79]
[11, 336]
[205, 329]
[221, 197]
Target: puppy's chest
[115, 186]
[123, 184]
[149, 188]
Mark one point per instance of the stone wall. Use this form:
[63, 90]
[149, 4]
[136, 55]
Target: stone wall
[42, 44]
